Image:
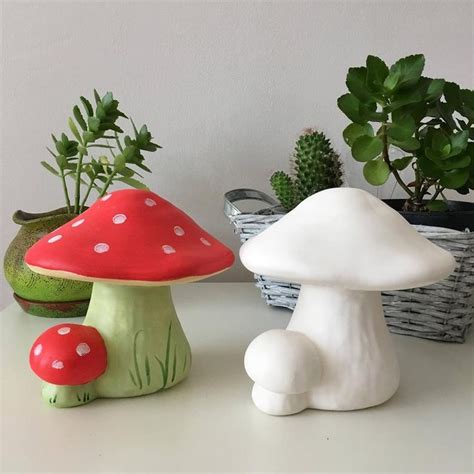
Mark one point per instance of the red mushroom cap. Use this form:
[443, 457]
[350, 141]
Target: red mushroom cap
[131, 236]
[69, 354]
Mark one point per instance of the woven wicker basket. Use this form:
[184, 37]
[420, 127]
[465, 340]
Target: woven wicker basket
[443, 311]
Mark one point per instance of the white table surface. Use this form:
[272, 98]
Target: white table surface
[208, 423]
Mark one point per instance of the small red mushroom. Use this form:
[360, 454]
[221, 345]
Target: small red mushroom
[69, 354]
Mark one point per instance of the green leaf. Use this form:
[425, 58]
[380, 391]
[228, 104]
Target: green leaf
[87, 106]
[366, 148]
[96, 97]
[440, 143]
[93, 123]
[459, 142]
[49, 168]
[61, 161]
[377, 71]
[107, 99]
[437, 206]
[454, 178]
[411, 144]
[54, 138]
[356, 82]
[79, 118]
[74, 130]
[134, 183]
[355, 130]
[460, 161]
[404, 98]
[376, 172]
[403, 126]
[401, 163]
[434, 90]
[88, 137]
[391, 81]
[349, 105]
[452, 94]
[429, 168]
[409, 70]
[119, 162]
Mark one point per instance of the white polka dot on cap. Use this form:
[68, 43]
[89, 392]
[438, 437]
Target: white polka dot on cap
[178, 230]
[150, 202]
[38, 350]
[168, 249]
[83, 349]
[64, 330]
[78, 223]
[55, 238]
[101, 247]
[119, 218]
[57, 364]
[106, 197]
[205, 242]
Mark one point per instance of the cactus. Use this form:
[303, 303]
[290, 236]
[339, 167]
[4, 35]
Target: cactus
[316, 167]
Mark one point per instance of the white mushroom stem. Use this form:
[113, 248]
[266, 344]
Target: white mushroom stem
[359, 365]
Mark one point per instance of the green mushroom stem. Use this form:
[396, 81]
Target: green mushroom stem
[66, 396]
[147, 350]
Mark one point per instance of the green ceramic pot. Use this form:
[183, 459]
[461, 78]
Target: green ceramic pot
[37, 294]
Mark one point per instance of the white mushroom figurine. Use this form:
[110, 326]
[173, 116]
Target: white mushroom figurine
[344, 247]
[133, 245]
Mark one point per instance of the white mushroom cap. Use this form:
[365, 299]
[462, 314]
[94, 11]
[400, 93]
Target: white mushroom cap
[283, 361]
[346, 237]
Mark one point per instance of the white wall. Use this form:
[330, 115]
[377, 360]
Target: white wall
[224, 86]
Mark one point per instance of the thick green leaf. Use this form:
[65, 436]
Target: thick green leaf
[459, 142]
[94, 124]
[452, 94]
[119, 162]
[49, 168]
[460, 161]
[454, 178]
[429, 168]
[349, 105]
[391, 81]
[409, 70]
[134, 183]
[376, 172]
[366, 148]
[401, 163]
[434, 90]
[411, 144]
[79, 118]
[74, 130]
[87, 107]
[61, 161]
[437, 206]
[355, 130]
[403, 126]
[356, 82]
[377, 71]
[404, 98]
[440, 143]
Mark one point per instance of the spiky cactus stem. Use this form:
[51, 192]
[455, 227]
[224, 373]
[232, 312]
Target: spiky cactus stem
[316, 167]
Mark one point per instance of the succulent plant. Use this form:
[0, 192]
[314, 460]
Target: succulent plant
[316, 167]
[423, 123]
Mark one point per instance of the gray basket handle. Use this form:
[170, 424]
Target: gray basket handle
[230, 197]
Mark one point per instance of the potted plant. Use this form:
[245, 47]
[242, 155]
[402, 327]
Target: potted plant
[402, 120]
[315, 166]
[97, 155]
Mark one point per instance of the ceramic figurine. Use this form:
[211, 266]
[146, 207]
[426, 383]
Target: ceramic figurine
[132, 244]
[344, 247]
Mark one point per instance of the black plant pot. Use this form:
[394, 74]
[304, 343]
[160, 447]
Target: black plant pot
[459, 216]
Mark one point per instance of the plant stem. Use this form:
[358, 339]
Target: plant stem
[386, 158]
[439, 190]
[89, 189]
[107, 184]
[77, 194]
[66, 193]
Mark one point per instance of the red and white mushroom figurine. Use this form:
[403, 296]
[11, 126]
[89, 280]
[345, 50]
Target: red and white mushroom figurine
[133, 244]
[72, 355]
